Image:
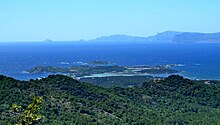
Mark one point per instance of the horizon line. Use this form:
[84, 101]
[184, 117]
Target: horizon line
[86, 40]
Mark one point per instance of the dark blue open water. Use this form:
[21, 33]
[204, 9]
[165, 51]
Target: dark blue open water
[201, 61]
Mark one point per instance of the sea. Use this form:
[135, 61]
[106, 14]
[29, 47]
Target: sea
[195, 61]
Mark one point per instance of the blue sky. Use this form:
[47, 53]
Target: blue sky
[37, 20]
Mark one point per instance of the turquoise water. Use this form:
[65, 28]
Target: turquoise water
[199, 61]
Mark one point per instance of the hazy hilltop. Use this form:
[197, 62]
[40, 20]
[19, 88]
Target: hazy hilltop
[197, 38]
[120, 38]
[164, 37]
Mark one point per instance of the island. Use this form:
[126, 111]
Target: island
[103, 69]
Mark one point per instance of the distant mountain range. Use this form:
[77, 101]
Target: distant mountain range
[120, 38]
[164, 37]
[197, 38]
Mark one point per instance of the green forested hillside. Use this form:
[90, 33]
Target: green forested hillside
[174, 100]
[117, 81]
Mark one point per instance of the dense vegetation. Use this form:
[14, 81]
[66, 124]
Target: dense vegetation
[117, 81]
[174, 100]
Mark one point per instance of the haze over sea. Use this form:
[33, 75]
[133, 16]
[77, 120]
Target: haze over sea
[198, 61]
